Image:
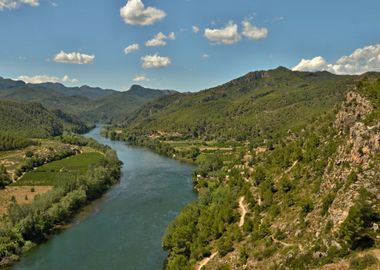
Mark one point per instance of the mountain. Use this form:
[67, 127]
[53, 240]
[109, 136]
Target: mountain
[288, 170]
[250, 107]
[90, 103]
[35, 121]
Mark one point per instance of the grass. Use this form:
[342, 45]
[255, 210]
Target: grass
[52, 173]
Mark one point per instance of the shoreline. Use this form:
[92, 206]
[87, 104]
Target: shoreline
[78, 211]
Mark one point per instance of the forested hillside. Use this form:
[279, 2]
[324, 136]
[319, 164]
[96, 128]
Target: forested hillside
[288, 170]
[89, 103]
[19, 122]
[257, 106]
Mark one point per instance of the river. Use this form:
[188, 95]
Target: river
[122, 230]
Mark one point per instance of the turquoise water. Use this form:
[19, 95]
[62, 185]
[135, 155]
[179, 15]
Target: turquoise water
[123, 229]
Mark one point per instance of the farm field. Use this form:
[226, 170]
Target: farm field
[53, 173]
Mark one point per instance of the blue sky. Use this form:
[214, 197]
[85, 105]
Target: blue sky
[279, 32]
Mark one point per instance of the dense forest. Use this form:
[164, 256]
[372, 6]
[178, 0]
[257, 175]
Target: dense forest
[21, 122]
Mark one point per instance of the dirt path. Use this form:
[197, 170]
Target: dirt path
[281, 242]
[205, 261]
[243, 211]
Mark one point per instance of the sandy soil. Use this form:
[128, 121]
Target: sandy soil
[22, 194]
[205, 261]
[243, 211]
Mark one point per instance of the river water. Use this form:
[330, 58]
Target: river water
[122, 230]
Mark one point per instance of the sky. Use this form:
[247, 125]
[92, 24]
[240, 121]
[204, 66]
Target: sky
[184, 45]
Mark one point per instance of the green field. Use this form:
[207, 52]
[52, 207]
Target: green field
[53, 173]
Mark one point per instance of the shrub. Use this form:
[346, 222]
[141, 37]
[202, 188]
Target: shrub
[327, 201]
[356, 229]
[361, 263]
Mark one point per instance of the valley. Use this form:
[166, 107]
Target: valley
[287, 174]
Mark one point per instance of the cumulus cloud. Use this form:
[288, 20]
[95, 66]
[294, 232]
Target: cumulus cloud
[155, 61]
[67, 79]
[159, 39]
[205, 55]
[74, 58]
[135, 13]
[253, 32]
[132, 48]
[195, 29]
[360, 61]
[44, 79]
[141, 78]
[315, 64]
[227, 35]
[12, 4]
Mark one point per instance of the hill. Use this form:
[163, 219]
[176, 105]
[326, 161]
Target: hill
[288, 170]
[254, 106]
[20, 122]
[90, 103]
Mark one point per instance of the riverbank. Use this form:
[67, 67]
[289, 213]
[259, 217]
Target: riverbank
[26, 226]
[126, 225]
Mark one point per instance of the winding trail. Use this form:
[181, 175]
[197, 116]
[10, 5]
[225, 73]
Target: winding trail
[281, 242]
[205, 261]
[243, 211]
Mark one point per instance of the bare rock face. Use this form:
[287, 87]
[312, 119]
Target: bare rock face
[357, 152]
[354, 109]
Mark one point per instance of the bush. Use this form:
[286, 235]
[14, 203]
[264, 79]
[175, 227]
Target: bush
[361, 263]
[327, 201]
[224, 246]
[4, 178]
[356, 229]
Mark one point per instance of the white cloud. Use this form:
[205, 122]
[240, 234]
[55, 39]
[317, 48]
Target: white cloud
[74, 58]
[227, 35]
[132, 48]
[67, 79]
[360, 61]
[196, 29]
[159, 39]
[171, 36]
[155, 61]
[315, 64]
[135, 13]
[12, 4]
[253, 32]
[38, 79]
[44, 79]
[205, 55]
[141, 78]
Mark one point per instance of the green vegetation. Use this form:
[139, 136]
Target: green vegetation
[4, 178]
[28, 120]
[19, 122]
[10, 141]
[26, 225]
[271, 137]
[260, 105]
[36, 161]
[357, 230]
[88, 103]
[361, 263]
[53, 173]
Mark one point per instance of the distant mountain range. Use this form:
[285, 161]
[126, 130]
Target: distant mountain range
[89, 103]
